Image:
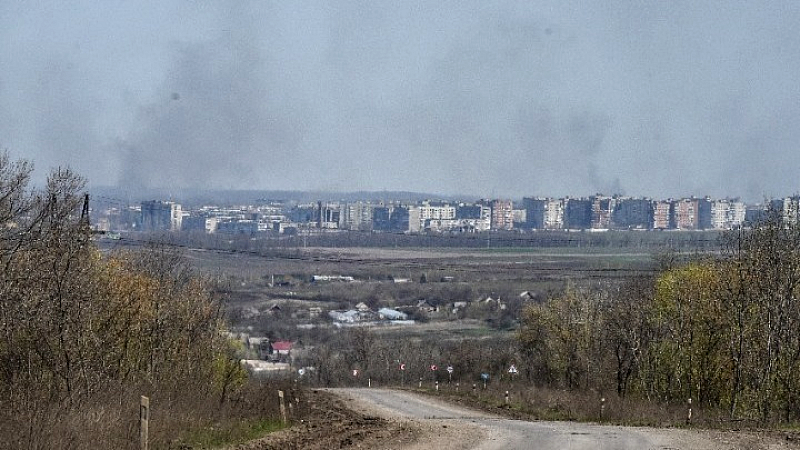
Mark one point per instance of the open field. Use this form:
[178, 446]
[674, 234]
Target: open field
[255, 283]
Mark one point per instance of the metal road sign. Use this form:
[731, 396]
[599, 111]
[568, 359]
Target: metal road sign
[449, 369]
[434, 367]
[512, 369]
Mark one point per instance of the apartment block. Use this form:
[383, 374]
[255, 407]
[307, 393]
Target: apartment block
[474, 212]
[788, 208]
[502, 214]
[685, 214]
[328, 215]
[161, 216]
[436, 211]
[602, 210]
[727, 214]
[474, 217]
[662, 214]
[635, 214]
[544, 213]
[403, 219]
[356, 216]
[578, 214]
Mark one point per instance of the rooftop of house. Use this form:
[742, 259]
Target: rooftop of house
[282, 345]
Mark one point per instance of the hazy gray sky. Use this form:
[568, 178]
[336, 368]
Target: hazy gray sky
[501, 99]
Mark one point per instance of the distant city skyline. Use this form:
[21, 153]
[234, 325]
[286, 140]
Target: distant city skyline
[289, 217]
[486, 99]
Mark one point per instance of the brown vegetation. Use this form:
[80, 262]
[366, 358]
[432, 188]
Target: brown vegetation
[721, 332]
[83, 335]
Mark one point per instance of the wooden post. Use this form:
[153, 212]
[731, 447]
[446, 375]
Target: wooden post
[283, 407]
[144, 422]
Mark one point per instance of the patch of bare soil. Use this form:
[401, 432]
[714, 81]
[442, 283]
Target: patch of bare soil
[329, 424]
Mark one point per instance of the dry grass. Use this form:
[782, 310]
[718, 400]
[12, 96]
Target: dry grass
[188, 418]
[534, 403]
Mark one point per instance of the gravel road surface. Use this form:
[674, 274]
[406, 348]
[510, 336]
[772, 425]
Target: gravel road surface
[449, 427]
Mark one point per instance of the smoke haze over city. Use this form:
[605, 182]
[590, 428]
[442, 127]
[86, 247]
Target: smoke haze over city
[491, 99]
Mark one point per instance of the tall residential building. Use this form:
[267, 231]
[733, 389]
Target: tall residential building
[788, 208]
[704, 213]
[396, 219]
[328, 215]
[544, 213]
[727, 214]
[502, 214]
[158, 215]
[381, 216]
[635, 214]
[736, 214]
[602, 209]
[436, 212]
[685, 214]
[662, 215]
[475, 217]
[474, 212]
[356, 216]
[578, 214]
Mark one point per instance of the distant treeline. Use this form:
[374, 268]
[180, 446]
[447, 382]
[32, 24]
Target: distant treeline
[645, 241]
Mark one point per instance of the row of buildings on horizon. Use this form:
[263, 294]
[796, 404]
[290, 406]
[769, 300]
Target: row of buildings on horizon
[597, 212]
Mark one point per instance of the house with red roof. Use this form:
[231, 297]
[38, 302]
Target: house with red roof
[281, 350]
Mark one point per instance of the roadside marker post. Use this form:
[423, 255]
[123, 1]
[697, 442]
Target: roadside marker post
[506, 397]
[437, 386]
[689, 416]
[283, 407]
[602, 407]
[144, 422]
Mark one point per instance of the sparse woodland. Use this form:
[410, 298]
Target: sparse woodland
[724, 332]
[83, 335]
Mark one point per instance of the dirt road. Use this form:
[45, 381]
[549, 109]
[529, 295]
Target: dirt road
[444, 426]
